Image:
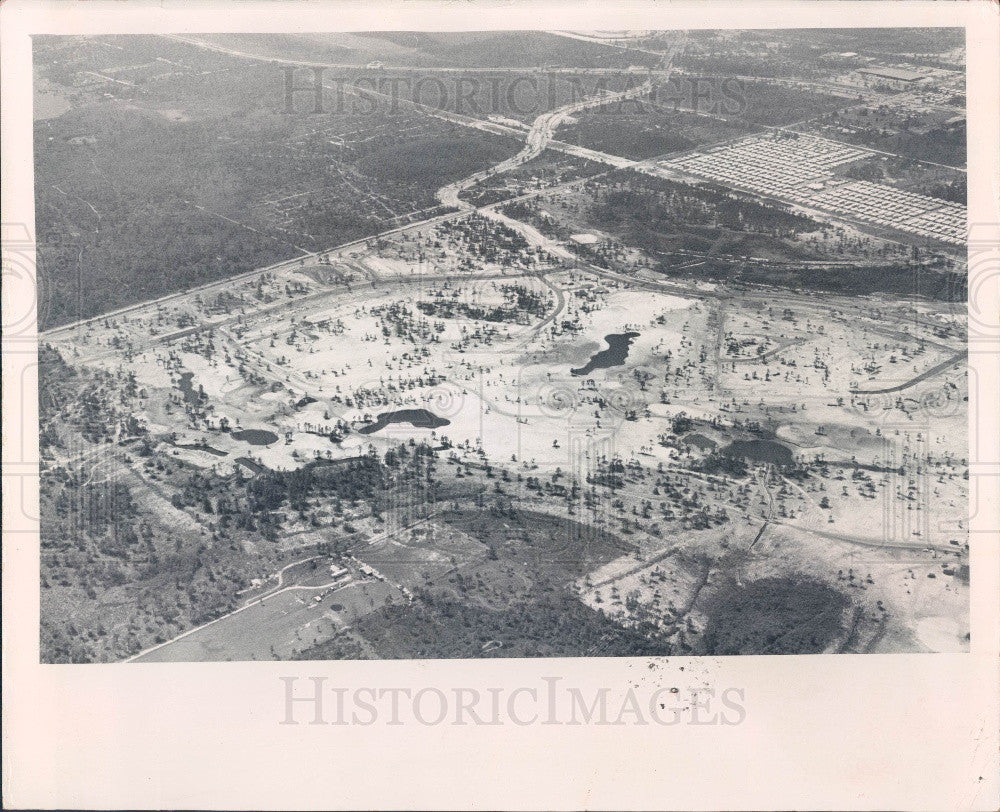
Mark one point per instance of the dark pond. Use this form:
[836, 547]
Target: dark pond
[613, 356]
[421, 418]
[256, 436]
[190, 395]
[700, 441]
[760, 451]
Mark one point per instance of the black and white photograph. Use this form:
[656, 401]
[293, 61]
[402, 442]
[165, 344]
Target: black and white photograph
[502, 344]
[452, 405]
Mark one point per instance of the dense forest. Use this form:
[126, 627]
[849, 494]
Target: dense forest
[775, 616]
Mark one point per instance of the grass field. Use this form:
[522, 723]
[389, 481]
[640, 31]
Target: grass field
[278, 627]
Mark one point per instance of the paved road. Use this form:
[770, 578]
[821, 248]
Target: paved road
[957, 358]
[864, 541]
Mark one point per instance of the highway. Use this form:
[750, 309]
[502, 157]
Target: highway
[538, 138]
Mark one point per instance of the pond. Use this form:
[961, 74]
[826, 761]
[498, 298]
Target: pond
[187, 387]
[256, 436]
[760, 451]
[420, 418]
[613, 356]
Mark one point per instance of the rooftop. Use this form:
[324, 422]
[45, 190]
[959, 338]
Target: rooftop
[893, 73]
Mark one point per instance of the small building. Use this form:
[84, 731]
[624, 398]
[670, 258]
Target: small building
[895, 77]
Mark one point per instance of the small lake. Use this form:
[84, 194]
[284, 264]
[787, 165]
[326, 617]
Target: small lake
[255, 436]
[613, 356]
[187, 388]
[420, 418]
[760, 451]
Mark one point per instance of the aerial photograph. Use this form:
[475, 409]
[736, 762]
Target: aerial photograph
[417, 345]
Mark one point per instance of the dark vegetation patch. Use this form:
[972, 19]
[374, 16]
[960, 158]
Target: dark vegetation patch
[733, 239]
[136, 560]
[521, 305]
[550, 624]
[664, 218]
[650, 207]
[432, 161]
[547, 169]
[785, 615]
[862, 280]
[809, 53]
[938, 136]
[649, 131]
[774, 105]
[914, 176]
